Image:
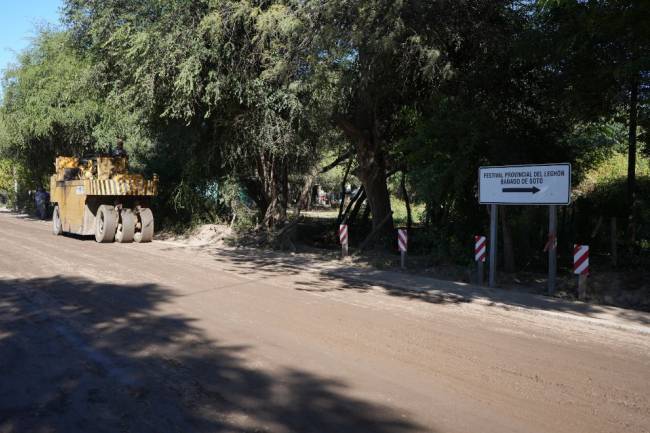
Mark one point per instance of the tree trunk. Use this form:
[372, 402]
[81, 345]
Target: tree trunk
[285, 185]
[371, 173]
[343, 182]
[508, 249]
[269, 171]
[365, 217]
[631, 163]
[407, 202]
[614, 242]
[596, 229]
[357, 207]
[345, 217]
[15, 199]
[305, 194]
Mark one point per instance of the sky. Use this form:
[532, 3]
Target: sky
[18, 21]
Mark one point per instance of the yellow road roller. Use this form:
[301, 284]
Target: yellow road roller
[98, 196]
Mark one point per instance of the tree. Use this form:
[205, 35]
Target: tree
[603, 54]
[48, 107]
[502, 105]
[383, 56]
[221, 77]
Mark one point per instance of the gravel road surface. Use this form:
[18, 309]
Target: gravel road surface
[166, 338]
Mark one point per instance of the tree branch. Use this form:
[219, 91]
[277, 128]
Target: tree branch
[344, 157]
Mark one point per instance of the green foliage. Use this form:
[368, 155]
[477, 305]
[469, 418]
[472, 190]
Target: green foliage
[11, 170]
[602, 195]
[400, 214]
[6, 176]
[48, 106]
[603, 189]
[331, 180]
[216, 84]
[599, 48]
[229, 101]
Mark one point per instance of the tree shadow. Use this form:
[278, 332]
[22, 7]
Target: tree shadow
[346, 276]
[79, 356]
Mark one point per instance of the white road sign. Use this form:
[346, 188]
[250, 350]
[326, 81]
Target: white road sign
[525, 184]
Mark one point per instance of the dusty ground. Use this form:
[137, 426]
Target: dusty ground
[174, 338]
[206, 234]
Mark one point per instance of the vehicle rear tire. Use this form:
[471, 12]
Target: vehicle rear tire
[105, 223]
[126, 226]
[144, 228]
[57, 226]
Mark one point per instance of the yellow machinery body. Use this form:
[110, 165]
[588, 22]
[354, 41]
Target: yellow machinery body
[80, 187]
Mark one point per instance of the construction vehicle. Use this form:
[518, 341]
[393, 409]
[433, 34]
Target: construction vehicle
[98, 196]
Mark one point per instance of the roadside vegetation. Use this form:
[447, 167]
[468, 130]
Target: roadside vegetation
[248, 109]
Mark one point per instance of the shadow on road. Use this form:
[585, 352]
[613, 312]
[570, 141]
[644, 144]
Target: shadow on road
[405, 285]
[77, 356]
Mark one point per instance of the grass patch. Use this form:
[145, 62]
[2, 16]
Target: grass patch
[399, 211]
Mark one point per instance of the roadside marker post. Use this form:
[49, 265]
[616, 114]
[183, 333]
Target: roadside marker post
[530, 184]
[480, 250]
[581, 268]
[402, 245]
[343, 238]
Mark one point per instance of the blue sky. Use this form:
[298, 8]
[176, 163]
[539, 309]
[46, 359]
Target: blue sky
[18, 21]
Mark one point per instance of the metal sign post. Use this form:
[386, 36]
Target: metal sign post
[542, 184]
[493, 246]
[552, 248]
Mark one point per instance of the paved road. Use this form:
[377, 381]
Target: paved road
[161, 338]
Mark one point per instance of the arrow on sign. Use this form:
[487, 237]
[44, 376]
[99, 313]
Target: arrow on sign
[533, 190]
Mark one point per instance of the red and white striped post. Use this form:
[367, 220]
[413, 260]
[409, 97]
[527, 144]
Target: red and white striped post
[480, 253]
[581, 268]
[402, 245]
[343, 238]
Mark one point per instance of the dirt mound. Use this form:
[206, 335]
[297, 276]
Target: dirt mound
[206, 234]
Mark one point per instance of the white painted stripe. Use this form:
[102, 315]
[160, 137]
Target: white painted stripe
[579, 256]
[479, 255]
[402, 239]
[584, 249]
[343, 234]
[580, 269]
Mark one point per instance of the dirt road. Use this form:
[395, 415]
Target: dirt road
[161, 338]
